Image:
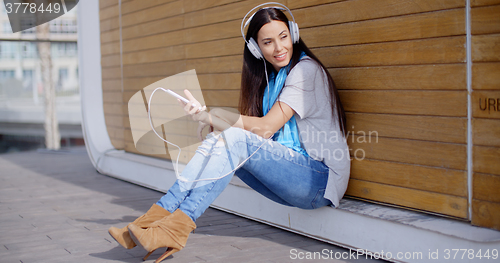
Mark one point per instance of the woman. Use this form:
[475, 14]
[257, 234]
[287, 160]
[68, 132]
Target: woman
[305, 165]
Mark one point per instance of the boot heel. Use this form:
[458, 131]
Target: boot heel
[167, 253]
[147, 256]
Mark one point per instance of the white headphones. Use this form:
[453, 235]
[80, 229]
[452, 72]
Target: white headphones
[252, 44]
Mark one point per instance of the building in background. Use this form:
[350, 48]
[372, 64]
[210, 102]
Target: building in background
[21, 89]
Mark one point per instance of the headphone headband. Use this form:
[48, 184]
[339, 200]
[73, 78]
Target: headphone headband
[245, 24]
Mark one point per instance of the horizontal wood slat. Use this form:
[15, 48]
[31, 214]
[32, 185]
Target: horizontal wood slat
[427, 51]
[111, 85]
[223, 81]
[106, 3]
[135, 84]
[485, 76]
[109, 24]
[357, 10]
[216, 48]
[486, 132]
[486, 48]
[428, 128]
[445, 181]
[486, 214]
[222, 13]
[439, 203]
[474, 3]
[153, 41]
[436, 103]
[443, 155]
[113, 109]
[114, 120]
[153, 27]
[109, 12]
[485, 159]
[112, 48]
[112, 60]
[157, 12]
[135, 6]
[485, 20]
[111, 36]
[159, 69]
[427, 25]
[111, 73]
[301, 4]
[420, 77]
[485, 104]
[154, 55]
[486, 187]
[193, 5]
[112, 96]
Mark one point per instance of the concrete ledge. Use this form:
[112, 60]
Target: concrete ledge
[408, 236]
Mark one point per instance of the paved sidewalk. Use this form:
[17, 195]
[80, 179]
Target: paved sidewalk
[55, 207]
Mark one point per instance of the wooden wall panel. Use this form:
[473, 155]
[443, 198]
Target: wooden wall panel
[135, 6]
[486, 48]
[431, 179]
[443, 155]
[157, 12]
[476, 3]
[399, 65]
[415, 77]
[485, 76]
[427, 128]
[485, 213]
[486, 132]
[358, 10]
[485, 28]
[485, 104]
[485, 20]
[424, 200]
[485, 159]
[436, 103]
[426, 51]
[426, 25]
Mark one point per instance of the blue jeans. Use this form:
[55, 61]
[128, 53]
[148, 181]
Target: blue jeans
[275, 171]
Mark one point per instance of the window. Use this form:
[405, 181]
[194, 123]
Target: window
[63, 76]
[64, 49]
[8, 50]
[28, 50]
[7, 74]
[28, 79]
[63, 26]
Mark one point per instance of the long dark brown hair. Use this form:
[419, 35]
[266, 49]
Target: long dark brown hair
[253, 79]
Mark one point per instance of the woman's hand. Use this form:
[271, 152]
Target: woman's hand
[193, 108]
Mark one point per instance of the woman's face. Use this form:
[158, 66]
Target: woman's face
[275, 43]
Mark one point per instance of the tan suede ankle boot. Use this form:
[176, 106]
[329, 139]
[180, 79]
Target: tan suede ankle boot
[122, 236]
[170, 232]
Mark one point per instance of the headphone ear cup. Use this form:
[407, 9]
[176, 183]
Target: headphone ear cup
[294, 31]
[254, 48]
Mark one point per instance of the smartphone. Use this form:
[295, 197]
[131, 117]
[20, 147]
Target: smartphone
[169, 91]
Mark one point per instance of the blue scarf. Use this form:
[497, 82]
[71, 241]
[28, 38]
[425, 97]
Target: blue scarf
[288, 135]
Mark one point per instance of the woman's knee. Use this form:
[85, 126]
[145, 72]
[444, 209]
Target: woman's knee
[229, 137]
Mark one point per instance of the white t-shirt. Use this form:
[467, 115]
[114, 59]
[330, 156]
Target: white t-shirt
[306, 92]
